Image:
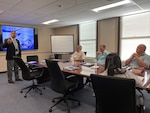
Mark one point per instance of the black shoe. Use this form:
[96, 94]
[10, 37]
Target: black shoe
[10, 81]
[19, 79]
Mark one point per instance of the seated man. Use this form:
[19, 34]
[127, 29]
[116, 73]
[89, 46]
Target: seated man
[78, 55]
[139, 58]
[101, 55]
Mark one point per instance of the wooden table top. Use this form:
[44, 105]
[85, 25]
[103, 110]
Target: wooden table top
[82, 70]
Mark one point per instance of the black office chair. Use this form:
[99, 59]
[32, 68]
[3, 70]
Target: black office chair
[85, 53]
[60, 85]
[29, 75]
[32, 58]
[114, 95]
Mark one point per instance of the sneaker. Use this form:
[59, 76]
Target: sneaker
[10, 81]
[19, 79]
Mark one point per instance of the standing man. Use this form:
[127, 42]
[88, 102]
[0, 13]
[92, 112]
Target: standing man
[139, 58]
[13, 49]
[101, 55]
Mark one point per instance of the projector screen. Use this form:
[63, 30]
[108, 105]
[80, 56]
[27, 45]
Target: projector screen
[62, 43]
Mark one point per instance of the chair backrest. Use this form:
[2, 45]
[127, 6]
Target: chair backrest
[32, 58]
[24, 68]
[114, 95]
[57, 77]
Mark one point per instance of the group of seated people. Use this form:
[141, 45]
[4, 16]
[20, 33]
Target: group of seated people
[113, 64]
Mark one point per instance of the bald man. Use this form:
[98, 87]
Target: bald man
[139, 58]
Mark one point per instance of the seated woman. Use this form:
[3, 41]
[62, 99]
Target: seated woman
[113, 68]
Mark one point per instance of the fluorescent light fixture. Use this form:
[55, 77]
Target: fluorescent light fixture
[50, 21]
[85, 22]
[111, 5]
[135, 12]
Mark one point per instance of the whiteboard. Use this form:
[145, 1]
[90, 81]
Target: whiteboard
[62, 43]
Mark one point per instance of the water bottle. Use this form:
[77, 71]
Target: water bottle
[146, 78]
[72, 60]
[95, 62]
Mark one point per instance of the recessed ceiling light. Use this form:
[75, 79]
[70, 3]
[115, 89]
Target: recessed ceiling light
[50, 21]
[111, 5]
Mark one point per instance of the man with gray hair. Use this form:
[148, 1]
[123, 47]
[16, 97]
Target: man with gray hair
[139, 58]
[78, 55]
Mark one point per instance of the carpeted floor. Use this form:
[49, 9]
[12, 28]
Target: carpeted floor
[12, 101]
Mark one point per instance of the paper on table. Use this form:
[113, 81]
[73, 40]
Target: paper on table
[88, 64]
[94, 67]
[70, 68]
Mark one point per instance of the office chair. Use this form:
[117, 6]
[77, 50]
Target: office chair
[85, 53]
[114, 95]
[29, 75]
[32, 58]
[60, 85]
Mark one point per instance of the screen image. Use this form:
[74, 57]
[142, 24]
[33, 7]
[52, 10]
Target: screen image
[23, 34]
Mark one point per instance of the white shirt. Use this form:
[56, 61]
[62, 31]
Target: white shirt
[78, 55]
[16, 45]
[128, 74]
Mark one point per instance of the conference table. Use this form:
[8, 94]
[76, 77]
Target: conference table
[82, 70]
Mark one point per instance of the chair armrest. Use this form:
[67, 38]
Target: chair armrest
[70, 76]
[36, 67]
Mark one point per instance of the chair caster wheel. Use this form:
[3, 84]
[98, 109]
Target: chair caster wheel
[21, 91]
[50, 110]
[53, 100]
[40, 93]
[68, 111]
[25, 96]
[79, 103]
[43, 87]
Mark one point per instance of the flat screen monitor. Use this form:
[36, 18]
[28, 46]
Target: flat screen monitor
[25, 35]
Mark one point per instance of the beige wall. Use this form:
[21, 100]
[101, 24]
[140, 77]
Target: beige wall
[43, 50]
[108, 33]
